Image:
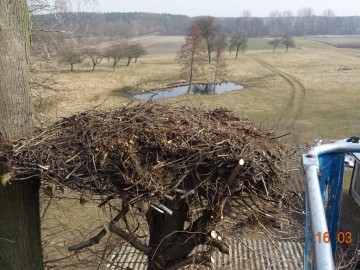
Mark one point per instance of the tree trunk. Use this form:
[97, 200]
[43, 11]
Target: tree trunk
[72, 67]
[165, 235]
[128, 62]
[20, 241]
[209, 50]
[15, 97]
[237, 51]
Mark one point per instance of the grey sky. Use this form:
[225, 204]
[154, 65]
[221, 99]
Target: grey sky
[226, 8]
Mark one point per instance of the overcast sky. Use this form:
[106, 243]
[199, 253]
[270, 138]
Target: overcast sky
[226, 8]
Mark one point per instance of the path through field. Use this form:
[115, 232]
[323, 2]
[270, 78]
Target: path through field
[286, 121]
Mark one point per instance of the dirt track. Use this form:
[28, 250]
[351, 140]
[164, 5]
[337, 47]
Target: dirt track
[286, 121]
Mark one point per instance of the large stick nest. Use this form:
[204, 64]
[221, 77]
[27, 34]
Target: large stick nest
[150, 153]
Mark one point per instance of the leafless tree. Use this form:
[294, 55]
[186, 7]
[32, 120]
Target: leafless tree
[133, 50]
[208, 30]
[94, 54]
[70, 55]
[219, 65]
[288, 42]
[191, 56]
[138, 50]
[328, 21]
[116, 53]
[287, 21]
[305, 20]
[275, 42]
[239, 43]
[245, 24]
[274, 22]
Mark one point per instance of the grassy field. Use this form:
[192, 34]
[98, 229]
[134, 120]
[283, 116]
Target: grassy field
[311, 92]
[339, 41]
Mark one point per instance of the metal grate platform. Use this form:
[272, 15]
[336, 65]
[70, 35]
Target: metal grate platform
[245, 254]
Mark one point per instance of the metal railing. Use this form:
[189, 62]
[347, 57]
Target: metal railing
[324, 171]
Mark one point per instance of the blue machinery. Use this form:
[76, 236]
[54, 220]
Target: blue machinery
[324, 171]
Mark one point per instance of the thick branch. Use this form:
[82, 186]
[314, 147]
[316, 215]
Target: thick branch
[130, 239]
[88, 243]
[96, 239]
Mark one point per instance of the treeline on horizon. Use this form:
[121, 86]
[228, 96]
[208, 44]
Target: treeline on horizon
[122, 25]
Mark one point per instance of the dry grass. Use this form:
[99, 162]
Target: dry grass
[329, 76]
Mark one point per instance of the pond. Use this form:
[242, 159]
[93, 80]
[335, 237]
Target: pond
[196, 89]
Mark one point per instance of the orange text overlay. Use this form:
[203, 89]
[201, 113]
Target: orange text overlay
[342, 237]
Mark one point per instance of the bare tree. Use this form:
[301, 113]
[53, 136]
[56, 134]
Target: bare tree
[94, 54]
[70, 55]
[287, 22]
[116, 53]
[208, 30]
[239, 43]
[275, 42]
[20, 241]
[245, 25]
[138, 50]
[288, 42]
[220, 65]
[328, 21]
[191, 56]
[274, 22]
[305, 19]
[133, 51]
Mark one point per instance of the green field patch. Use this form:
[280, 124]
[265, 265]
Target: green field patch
[259, 44]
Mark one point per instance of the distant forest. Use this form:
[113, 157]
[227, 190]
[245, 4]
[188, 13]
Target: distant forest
[121, 25]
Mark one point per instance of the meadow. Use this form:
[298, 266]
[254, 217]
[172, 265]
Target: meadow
[310, 91]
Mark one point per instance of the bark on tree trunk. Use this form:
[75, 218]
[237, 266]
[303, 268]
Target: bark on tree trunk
[20, 241]
[209, 50]
[15, 98]
[171, 243]
[165, 236]
[237, 52]
[191, 68]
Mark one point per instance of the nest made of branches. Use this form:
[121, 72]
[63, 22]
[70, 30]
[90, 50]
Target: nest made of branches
[151, 153]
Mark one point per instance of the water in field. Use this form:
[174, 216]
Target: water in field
[196, 89]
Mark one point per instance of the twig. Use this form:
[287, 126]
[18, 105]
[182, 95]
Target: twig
[163, 207]
[97, 106]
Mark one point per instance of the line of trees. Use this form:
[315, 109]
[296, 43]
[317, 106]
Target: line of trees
[128, 51]
[120, 25]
